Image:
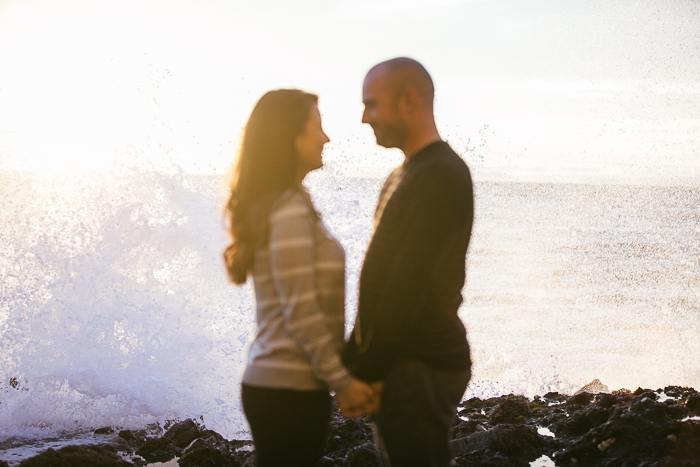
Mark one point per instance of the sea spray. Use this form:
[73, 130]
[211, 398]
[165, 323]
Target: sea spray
[115, 308]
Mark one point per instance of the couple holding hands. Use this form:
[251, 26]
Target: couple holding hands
[407, 361]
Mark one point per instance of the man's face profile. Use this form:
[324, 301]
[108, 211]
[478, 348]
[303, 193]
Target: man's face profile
[382, 109]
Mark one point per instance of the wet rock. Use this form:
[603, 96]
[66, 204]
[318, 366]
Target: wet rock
[489, 459]
[640, 431]
[581, 398]
[512, 409]
[554, 398]
[183, 433]
[134, 439]
[465, 428]
[158, 450]
[606, 401]
[473, 403]
[211, 450]
[364, 455]
[509, 440]
[326, 461]
[4, 464]
[244, 459]
[600, 430]
[104, 431]
[345, 434]
[651, 410]
[640, 391]
[693, 404]
[206, 456]
[684, 440]
[580, 422]
[678, 392]
[139, 461]
[119, 445]
[76, 456]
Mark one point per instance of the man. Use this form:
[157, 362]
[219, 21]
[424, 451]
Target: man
[408, 340]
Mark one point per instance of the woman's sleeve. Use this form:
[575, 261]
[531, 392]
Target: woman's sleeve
[292, 267]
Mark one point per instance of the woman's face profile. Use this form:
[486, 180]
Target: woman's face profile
[309, 143]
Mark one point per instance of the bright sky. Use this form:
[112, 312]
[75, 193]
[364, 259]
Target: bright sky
[527, 90]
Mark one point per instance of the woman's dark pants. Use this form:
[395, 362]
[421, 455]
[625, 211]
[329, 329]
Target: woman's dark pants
[289, 427]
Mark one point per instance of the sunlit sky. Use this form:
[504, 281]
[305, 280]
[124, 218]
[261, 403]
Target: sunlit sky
[605, 90]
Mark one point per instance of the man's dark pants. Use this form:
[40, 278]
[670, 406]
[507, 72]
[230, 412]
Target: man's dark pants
[417, 414]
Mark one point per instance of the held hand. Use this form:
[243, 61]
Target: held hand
[353, 402]
[377, 388]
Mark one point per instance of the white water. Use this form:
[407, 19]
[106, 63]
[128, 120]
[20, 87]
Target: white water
[115, 309]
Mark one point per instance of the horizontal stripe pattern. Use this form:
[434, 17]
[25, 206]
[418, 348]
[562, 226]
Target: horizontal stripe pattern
[299, 280]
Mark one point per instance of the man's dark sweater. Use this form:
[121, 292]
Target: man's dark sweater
[414, 270]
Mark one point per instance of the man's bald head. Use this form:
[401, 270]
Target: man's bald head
[398, 96]
[403, 73]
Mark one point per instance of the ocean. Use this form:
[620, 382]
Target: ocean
[115, 309]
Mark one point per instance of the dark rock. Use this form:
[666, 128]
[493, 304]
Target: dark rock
[509, 409]
[76, 456]
[674, 391]
[579, 423]
[238, 444]
[555, 397]
[4, 464]
[621, 429]
[158, 450]
[345, 434]
[463, 429]
[120, 445]
[139, 461]
[183, 433]
[326, 461]
[649, 409]
[693, 404]
[509, 440]
[473, 403]
[244, 459]
[684, 441]
[210, 449]
[582, 398]
[606, 401]
[206, 456]
[634, 440]
[488, 459]
[364, 455]
[104, 431]
[134, 439]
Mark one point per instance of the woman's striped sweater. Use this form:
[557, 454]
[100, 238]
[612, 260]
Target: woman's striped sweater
[299, 279]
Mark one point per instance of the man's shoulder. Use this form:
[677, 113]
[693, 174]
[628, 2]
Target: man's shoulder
[440, 162]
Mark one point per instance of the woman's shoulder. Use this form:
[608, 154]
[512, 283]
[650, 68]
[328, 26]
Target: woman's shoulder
[291, 203]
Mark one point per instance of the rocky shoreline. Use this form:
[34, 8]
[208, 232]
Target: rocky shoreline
[642, 428]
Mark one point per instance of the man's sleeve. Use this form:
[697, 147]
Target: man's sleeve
[439, 206]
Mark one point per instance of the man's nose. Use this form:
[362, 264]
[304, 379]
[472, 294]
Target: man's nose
[365, 116]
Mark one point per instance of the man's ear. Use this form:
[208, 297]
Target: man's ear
[409, 101]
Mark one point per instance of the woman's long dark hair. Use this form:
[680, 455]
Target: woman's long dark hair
[266, 167]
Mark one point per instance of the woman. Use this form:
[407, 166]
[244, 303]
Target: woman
[298, 272]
